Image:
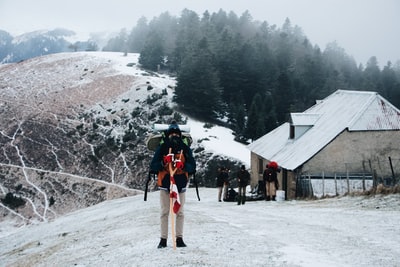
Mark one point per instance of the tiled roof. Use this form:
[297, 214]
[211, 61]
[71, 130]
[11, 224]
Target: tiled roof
[352, 110]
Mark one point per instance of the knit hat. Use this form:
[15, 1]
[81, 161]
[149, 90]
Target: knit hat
[174, 128]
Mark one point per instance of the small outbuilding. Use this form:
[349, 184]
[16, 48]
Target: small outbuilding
[348, 132]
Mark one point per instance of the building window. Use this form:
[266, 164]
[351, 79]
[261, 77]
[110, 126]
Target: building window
[260, 165]
[291, 133]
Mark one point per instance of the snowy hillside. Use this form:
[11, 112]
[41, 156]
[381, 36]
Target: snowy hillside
[348, 231]
[71, 70]
[73, 130]
[218, 140]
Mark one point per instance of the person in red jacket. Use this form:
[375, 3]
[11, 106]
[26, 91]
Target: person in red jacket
[270, 178]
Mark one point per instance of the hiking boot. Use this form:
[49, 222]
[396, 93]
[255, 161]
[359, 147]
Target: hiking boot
[180, 243]
[163, 243]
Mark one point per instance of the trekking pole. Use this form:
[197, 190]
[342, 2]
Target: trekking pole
[147, 187]
[196, 186]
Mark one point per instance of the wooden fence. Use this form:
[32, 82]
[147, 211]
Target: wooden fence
[373, 172]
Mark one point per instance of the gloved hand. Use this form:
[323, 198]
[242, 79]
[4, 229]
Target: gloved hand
[168, 158]
[178, 164]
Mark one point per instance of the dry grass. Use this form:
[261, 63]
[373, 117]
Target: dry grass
[380, 189]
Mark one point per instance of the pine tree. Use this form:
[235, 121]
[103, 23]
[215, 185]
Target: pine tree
[198, 88]
[372, 76]
[137, 37]
[255, 127]
[283, 97]
[237, 117]
[270, 119]
[152, 55]
[391, 85]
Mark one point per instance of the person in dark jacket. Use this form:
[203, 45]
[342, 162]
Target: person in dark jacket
[172, 151]
[222, 183]
[270, 178]
[243, 178]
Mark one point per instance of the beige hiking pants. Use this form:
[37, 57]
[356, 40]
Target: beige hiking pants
[165, 211]
[271, 189]
[223, 192]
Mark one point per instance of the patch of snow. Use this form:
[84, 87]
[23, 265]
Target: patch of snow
[219, 140]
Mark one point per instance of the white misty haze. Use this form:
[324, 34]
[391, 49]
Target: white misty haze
[364, 28]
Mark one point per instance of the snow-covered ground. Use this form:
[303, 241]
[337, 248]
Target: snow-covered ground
[348, 231]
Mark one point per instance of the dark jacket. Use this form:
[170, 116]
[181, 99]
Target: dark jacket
[243, 177]
[270, 176]
[181, 176]
[222, 178]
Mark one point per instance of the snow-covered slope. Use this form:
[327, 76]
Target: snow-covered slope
[218, 140]
[73, 130]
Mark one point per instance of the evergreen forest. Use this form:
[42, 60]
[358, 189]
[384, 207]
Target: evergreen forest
[246, 74]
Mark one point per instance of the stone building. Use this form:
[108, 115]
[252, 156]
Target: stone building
[349, 132]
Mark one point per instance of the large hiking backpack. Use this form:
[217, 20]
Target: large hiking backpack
[159, 134]
[158, 137]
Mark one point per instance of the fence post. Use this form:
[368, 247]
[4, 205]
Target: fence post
[391, 167]
[374, 182]
[336, 191]
[347, 178]
[323, 184]
[363, 180]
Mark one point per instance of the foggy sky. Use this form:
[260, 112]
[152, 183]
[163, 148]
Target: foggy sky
[364, 28]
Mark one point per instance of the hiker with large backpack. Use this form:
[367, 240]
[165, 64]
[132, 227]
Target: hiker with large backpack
[173, 162]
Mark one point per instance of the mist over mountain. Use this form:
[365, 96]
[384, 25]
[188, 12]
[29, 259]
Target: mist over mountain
[43, 42]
